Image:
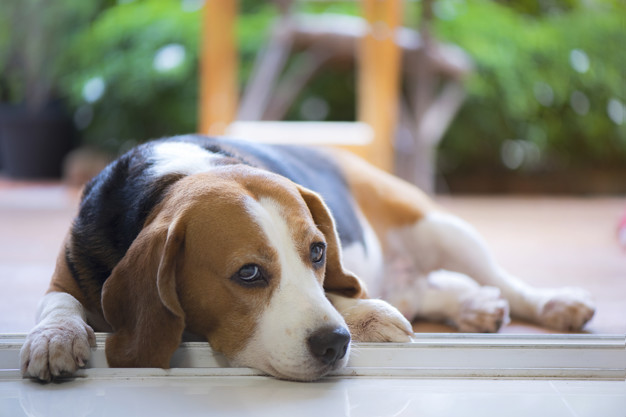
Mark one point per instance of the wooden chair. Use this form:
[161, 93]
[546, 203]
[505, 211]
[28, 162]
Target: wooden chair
[378, 85]
[398, 132]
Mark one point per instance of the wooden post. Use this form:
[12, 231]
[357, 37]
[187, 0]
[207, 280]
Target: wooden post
[379, 78]
[218, 67]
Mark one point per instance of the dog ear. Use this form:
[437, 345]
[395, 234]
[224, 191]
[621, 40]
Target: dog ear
[337, 279]
[139, 298]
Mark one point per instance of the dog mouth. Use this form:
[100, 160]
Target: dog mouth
[303, 373]
[297, 368]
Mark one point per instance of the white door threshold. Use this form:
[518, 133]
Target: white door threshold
[598, 357]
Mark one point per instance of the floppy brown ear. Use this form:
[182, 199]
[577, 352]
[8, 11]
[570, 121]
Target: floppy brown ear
[139, 298]
[337, 279]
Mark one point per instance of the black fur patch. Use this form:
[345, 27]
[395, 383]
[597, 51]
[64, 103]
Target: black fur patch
[116, 203]
[113, 210]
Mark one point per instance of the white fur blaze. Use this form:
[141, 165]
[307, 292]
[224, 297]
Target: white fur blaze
[180, 158]
[297, 309]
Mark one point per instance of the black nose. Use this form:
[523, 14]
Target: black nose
[329, 344]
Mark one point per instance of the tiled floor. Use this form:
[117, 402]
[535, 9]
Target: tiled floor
[363, 397]
[547, 241]
[33, 222]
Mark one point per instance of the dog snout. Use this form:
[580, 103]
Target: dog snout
[329, 345]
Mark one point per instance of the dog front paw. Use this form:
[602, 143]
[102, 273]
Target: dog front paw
[483, 311]
[377, 321]
[56, 347]
[566, 309]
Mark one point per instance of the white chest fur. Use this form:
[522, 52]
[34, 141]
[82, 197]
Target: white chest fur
[366, 261]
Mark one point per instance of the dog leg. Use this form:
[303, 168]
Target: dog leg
[61, 341]
[441, 241]
[453, 298]
[371, 320]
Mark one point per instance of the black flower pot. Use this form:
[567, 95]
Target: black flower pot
[34, 144]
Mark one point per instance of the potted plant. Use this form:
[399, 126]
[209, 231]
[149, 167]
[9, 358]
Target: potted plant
[35, 129]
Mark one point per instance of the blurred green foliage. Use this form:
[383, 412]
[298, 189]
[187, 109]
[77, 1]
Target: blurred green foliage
[140, 100]
[545, 74]
[542, 78]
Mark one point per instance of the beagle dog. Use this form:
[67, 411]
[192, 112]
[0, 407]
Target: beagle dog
[278, 256]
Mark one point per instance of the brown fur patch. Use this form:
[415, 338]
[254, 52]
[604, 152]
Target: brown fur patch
[386, 201]
[62, 279]
[221, 238]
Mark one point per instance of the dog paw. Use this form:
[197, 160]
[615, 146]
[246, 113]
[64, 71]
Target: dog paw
[56, 347]
[483, 311]
[377, 321]
[567, 309]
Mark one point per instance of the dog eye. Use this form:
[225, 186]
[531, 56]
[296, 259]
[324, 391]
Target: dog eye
[250, 273]
[317, 252]
[251, 276]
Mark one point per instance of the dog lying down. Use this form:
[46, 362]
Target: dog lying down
[279, 256]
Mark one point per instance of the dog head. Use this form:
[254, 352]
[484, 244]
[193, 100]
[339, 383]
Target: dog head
[242, 257]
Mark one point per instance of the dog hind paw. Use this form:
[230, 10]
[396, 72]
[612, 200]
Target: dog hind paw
[56, 348]
[483, 311]
[568, 309]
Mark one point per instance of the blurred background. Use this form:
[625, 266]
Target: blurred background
[493, 98]
[544, 110]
